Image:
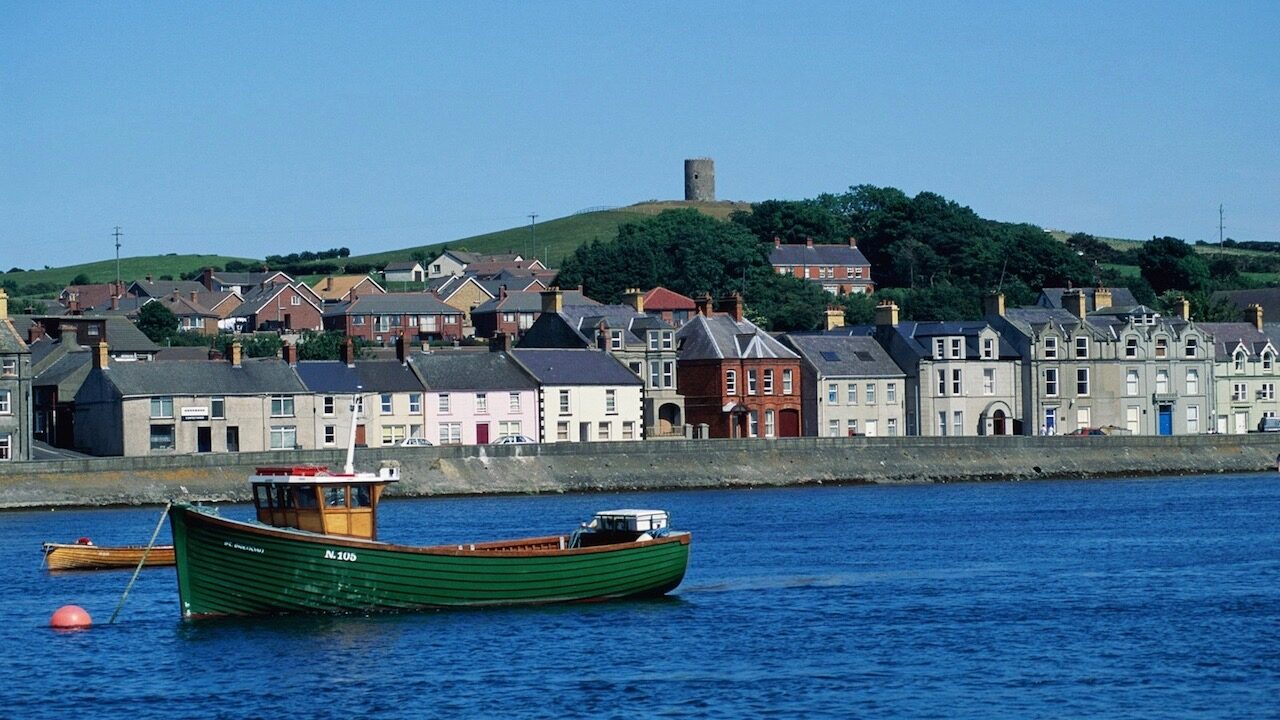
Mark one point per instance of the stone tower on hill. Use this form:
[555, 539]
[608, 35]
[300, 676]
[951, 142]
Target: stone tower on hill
[700, 179]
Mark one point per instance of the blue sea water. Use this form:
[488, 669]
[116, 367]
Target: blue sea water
[1134, 598]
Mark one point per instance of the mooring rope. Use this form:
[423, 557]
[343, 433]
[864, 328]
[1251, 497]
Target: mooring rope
[141, 561]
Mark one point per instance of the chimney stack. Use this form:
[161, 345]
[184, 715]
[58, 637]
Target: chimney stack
[328, 283]
[1074, 300]
[703, 304]
[853, 241]
[1183, 306]
[1101, 299]
[115, 302]
[732, 304]
[993, 305]
[4, 304]
[1253, 314]
[148, 277]
[73, 303]
[101, 356]
[777, 241]
[552, 300]
[887, 314]
[194, 295]
[235, 353]
[835, 318]
[290, 353]
[206, 279]
[635, 299]
[402, 349]
[35, 332]
[347, 353]
[500, 342]
[808, 241]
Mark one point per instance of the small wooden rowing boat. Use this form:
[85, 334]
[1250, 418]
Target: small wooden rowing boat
[84, 556]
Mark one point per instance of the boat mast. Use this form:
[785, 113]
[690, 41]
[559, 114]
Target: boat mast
[350, 467]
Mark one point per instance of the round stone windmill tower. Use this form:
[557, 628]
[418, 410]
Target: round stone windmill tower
[700, 179]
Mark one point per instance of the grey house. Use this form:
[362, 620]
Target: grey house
[849, 386]
[15, 389]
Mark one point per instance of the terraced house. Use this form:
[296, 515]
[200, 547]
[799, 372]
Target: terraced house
[1244, 372]
[475, 398]
[1119, 369]
[389, 397]
[850, 386]
[15, 389]
[583, 395]
[383, 318]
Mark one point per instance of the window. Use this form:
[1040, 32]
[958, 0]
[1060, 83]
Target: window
[1162, 381]
[942, 382]
[562, 431]
[1193, 419]
[957, 382]
[768, 382]
[6, 408]
[357, 319]
[615, 339]
[1082, 381]
[451, 433]
[871, 393]
[162, 437]
[6, 447]
[509, 427]
[415, 431]
[768, 423]
[833, 427]
[611, 402]
[1051, 382]
[942, 423]
[385, 404]
[891, 393]
[415, 403]
[1267, 391]
[628, 430]
[284, 437]
[851, 427]
[604, 431]
[162, 407]
[1082, 348]
[1239, 391]
[330, 434]
[668, 339]
[1189, 350]
[653, 339]
[442, 404]
[669, 376]
[957, 348]
[786, 382]
[281, 406]
[988, 381]
[1162, 348]
[513, 402]
[731, 382]
[939, 348]
[392, 434]
[1131, 347]
[1268, 360]
[751, 382]
[295, 300]
[564, 402]
[1131, 382]
[753, 423]
[833, 393]
[851, 394]
[508, 317]
[988, 348]
[1237, 361]
[9, 368]
[482, 402]
[892, 427]
[218, 408]
[957, 423]
[1051, 348]
[327, 404]
[1193, 381]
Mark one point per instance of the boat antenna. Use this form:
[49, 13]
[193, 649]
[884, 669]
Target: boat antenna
[350, 467]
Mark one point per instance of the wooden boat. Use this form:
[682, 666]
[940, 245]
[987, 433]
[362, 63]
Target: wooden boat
[314, 548]
[87, 556]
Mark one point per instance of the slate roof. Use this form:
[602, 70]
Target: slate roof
[1229, 335]
[336, 287]
[844, 356]
[67, 373]
[1034, 320]
[161, 288]
[1268, 298]
[661, 298]
[529, 301]
[371, 376]
[393, 304]
[1052, 297]
[817, 255]
[450, 371]
[89, 295]
[11, 341]
[249, 279]
[447, 286]
[260, 297]
[214, 377]
[720, 336]
[121, 334]
[574, 367]
[916, 338]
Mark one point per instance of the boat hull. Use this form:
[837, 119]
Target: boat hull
[68, 556]
[227, 567]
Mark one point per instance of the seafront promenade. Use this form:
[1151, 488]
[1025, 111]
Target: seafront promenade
[604, 467]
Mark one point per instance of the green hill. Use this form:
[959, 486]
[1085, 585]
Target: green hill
[104, 271]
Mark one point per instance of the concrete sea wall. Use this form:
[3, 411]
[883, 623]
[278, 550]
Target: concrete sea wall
[579, 467]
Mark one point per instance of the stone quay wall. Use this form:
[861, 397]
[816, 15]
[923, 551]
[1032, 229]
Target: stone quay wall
[587, 467]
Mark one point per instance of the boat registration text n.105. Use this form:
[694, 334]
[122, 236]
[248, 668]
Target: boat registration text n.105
[339, 555]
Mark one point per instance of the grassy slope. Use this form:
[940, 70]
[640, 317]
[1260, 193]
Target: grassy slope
[132, 268]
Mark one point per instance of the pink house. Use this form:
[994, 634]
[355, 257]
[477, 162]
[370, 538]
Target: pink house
[475, 397]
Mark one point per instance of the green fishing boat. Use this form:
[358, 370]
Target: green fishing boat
[314, 548]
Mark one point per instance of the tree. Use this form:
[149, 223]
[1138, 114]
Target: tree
[80, 279]
[1171, 264]
[326, 345]
[257, 345]
[157, 322]
[794, 221]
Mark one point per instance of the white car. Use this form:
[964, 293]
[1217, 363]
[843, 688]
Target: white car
[416, 442]
[513, 440]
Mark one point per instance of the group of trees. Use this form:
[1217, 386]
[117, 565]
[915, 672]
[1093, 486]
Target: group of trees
[159, 324]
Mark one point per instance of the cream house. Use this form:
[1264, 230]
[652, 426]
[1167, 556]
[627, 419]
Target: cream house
[584, 395]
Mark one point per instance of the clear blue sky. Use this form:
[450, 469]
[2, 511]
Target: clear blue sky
[256, 128]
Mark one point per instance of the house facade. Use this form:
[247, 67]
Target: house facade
[404, 271]
[849, 386]
[584, 395]
[474, 398]
[672, 307]
[735, 378]
[463, 293]
[341, 288]
[15, 390]
[381, 319]
[388, 394]
[279, 308]
[838, 269]
[1244, 372]
[512, 313]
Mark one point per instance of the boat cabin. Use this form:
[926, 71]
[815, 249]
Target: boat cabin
[309, 497]
[621, 526]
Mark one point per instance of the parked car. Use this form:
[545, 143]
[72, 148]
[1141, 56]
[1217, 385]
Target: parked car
[1087, 431]
[416, 442]
[1269, 424]
[513, 440]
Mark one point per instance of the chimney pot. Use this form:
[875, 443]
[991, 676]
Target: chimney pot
[235, 354]
[1253, 314]
[101, 356]
[500, 342]
[887, 314]
[552, 300]
[993, 305]
[808, 241]
[835, 318]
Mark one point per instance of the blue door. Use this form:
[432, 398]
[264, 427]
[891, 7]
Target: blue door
[1166, 419]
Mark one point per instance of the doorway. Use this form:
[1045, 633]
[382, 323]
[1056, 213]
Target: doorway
[482, 433]
[204, 439]
[1166, 419]
[233, 439]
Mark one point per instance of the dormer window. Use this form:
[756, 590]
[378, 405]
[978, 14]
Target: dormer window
[1192, 344]
[1131, 347]
[615, 339]
[1051, 348]
[939, 348]
[957, 348]
[668, 339]
[653, 339]
[1082, 348]
[988, 348]
[1238, 360]
[1162, 348]
[1268, 360]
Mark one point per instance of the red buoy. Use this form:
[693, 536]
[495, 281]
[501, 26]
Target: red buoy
[70, 617]
[84, 541]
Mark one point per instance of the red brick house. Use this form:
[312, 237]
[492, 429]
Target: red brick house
[513, 312]
[839, 269]
[381, 319]
[671, 306]
[735, 377]
[284, 307]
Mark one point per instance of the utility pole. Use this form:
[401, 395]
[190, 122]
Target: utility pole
[1220, 225]
[117, 291]
[533, 218]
